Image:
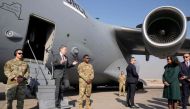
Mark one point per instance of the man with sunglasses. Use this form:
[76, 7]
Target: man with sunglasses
[185, 81]
[86, 75]
[17, 72]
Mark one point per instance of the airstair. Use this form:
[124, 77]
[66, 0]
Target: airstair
[43, 85]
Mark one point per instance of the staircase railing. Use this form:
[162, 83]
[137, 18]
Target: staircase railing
[28, 42]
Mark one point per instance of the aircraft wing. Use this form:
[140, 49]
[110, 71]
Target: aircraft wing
[130, 40]
[185, 48]
[162, 33]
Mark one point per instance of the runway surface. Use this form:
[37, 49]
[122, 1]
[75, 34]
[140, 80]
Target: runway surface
[109, 99]
[103, 98]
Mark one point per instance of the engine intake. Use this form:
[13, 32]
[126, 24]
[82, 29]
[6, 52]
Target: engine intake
[164, 31]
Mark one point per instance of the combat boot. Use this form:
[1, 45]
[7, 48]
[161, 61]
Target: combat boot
[119, 94]
[88, 103]
[88, 107]
[80, 107]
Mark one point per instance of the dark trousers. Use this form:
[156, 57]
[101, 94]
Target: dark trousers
[58, 91]
[185, 95]
[131, 93]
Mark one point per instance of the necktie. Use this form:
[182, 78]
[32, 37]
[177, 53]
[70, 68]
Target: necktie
[62, 57]
[186, 63]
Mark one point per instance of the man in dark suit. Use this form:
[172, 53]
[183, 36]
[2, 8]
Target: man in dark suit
[185, 81]
[60, 63]
[132, 80]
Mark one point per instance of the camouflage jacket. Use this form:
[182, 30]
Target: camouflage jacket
[122, 79]
[14, 68]
[86, 71]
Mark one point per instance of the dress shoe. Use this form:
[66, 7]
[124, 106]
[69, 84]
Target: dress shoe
[58, 106]
[134, 106]
[128, 105]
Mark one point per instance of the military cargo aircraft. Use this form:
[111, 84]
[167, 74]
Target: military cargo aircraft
[39, 27]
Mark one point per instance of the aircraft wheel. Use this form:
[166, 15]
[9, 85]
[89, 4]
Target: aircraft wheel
[140, 86]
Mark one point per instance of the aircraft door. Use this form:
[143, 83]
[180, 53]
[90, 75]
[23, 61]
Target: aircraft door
[40, 37]
[48, 47]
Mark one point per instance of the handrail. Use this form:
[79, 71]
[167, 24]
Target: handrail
[37, 62]
[52, 69]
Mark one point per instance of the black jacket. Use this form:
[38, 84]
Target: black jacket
[59, 68]
[132, 75]
[184, 71]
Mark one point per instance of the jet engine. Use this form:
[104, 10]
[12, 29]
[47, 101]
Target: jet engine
[164, 31]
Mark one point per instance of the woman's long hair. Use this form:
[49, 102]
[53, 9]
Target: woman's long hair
[174, 61]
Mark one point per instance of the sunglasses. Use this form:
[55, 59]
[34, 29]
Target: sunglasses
[20, 53]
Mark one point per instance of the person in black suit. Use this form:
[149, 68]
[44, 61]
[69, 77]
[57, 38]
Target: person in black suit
[185, 81]
[60, 64]
[132, 80]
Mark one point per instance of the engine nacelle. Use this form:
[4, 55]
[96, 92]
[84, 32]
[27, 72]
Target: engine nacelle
[164, 31]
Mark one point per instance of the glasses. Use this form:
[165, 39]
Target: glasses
[185, 56]
[168, 59]
[87, 58]
[20, 53]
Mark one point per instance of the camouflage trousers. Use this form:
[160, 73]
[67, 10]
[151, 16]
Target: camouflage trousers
[84, 93]
[121, 89]
[18, 92]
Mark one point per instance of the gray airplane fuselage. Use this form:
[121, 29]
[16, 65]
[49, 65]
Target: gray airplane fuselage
[42, 26]
[48, 24]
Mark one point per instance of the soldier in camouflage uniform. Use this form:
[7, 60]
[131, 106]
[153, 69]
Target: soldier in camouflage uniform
[122, 80]
[17, 72]
[86, 75]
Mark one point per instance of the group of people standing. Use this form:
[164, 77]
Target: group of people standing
[85, 72]
[176, 79]
[17, 72]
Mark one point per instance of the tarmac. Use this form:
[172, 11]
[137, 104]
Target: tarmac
[103, 98]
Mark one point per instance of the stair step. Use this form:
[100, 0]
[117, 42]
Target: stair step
[43, 82]
[40, 76]
[46, 95]
[48, 88]
[46, 92]
[33, 71]
[50, 104]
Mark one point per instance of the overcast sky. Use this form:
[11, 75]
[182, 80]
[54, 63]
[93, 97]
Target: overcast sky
[130, 13]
